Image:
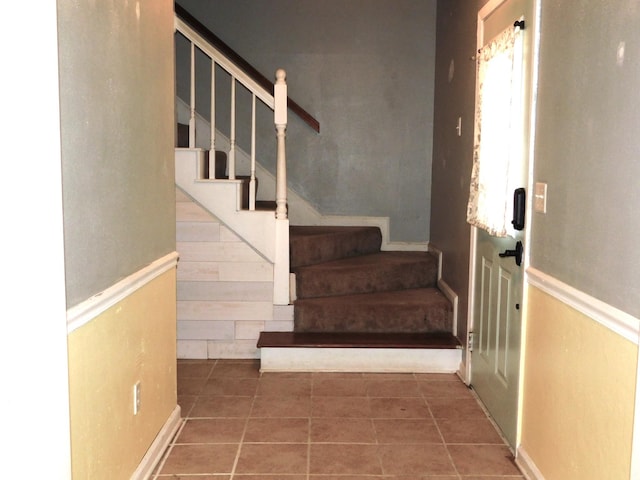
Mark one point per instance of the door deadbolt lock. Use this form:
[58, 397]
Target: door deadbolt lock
[517, 253]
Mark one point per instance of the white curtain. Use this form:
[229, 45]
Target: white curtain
[498, 143]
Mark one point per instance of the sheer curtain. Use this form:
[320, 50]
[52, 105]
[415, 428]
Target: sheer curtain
[498, 143]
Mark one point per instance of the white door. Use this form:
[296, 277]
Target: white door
[497, 285]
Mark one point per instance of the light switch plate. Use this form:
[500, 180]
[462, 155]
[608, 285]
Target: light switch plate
[540, 198]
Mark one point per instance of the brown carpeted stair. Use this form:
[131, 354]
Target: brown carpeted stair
[344, 283]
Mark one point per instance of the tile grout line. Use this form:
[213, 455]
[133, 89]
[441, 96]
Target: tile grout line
[244, 431]
[444, 443]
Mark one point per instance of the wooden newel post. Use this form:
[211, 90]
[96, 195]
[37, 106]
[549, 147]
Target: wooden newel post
[280, 120]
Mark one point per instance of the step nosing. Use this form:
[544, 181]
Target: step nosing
[441, 340]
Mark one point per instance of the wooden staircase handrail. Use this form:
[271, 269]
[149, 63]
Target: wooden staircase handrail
[243, 64]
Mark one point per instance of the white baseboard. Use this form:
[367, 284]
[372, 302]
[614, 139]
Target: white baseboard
[158, 447]
[373, 360]
[527, 466]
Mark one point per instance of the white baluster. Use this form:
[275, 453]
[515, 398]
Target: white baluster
[212, 148]
[280, 120]
[252, 182]
[232, 132]
[192, 99]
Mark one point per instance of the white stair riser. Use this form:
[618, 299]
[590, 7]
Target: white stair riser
[377, 360]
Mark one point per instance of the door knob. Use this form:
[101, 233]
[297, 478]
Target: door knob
[517, 252]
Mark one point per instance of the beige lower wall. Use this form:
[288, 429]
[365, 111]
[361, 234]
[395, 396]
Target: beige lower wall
[578, 394]
[132, 341]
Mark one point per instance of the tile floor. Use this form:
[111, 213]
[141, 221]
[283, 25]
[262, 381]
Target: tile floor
[241, 424]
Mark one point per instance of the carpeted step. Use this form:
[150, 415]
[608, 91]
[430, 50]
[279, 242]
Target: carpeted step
[418, 310]
[377, 272]
[316, 244]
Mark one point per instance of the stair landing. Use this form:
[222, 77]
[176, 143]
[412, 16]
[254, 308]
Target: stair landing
[359, 352]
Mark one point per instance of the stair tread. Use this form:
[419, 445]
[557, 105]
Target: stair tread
[439, 340]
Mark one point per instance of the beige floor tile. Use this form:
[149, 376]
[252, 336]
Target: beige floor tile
[392, 388]
[191, 385]
[350, 407]
[270, 477]
[444, 407]
[342, 430]
[492, 477]
[230, 386]
[217, 406]
[200, 369]
[428, 459]
[246, 369]
[330, 426]
[409, 407]
[284, 430]
[389, 376]
[186, 403]
[339, 387]
[194, 477]
[272, 458]
[445, 389]
[437, 377]
[469, 430]
[276, 406]
[284, 386]
[212, 430]
[348, 459]
[405, 431]
[200, 459]
[483, 460]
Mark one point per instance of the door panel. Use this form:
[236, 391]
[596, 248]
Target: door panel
[498, 281]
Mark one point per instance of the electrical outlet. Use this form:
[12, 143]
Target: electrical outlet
[136, 398]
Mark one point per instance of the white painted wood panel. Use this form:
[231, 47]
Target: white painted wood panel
[206, 330]
[239, 291]
[248, 330]
[197, 271]
[283, 312]
[245, 272]
[197, 231]
[235, 349]
[192, 349]
[207, 310]
[217, 252]
[191, 212]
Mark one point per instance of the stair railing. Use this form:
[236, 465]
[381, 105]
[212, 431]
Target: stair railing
[260, 89]
[257, 92]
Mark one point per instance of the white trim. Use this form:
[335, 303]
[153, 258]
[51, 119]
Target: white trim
[617, 321]
[444, 287]
[86, 311]
[635, 442]
[372, 360]
[527, 466]
[158, 447]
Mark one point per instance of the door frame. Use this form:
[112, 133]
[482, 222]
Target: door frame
[534, 26]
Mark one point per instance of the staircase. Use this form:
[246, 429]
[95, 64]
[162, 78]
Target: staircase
[362, 309]
[356, 307]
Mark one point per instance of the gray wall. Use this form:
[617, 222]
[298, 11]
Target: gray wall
[587, 149]
[452, 154]
[364, 69]
[117, 128]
